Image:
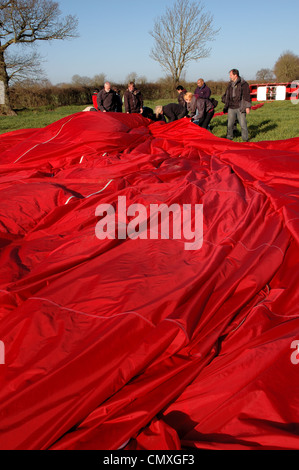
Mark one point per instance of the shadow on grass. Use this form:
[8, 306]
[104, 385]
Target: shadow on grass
[261, 128]
[254, 130]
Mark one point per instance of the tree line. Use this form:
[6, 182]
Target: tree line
[30, 94]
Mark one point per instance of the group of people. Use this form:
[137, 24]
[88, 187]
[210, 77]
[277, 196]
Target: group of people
[199, 105]
[109, 99]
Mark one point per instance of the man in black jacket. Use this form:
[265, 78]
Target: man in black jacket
[172, 111]
[107, 99]
[237, 103]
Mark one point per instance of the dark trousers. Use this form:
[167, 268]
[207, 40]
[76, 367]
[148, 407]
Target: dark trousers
[205, 120]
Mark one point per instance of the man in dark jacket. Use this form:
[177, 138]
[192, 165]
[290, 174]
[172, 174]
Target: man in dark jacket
[181, 93]
[106, 99]
[237, 104]
[119, 103]
[173, 112]
[133, 99]
[202, 90]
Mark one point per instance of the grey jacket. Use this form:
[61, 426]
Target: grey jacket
[199, 107]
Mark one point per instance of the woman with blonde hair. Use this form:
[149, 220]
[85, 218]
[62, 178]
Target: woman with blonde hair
[158, 111]
[201, 110]
[190, 99]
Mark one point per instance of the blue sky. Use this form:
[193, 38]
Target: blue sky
[115, 40]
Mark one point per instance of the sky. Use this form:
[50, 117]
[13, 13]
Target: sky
[114, 39]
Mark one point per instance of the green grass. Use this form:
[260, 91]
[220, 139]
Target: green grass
[35, 118]
[277, 120]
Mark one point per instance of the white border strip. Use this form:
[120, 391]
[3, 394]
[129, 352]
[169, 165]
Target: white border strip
[43, 143]
[93, 194]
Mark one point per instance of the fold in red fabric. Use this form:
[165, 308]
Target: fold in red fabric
[140, 343]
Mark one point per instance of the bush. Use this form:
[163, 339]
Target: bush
[32, 95]
[286, 68]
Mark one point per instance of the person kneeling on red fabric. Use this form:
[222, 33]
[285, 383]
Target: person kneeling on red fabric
[172, 111]
[201, 110]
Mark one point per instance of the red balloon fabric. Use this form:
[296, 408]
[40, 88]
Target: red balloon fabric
[139, 343]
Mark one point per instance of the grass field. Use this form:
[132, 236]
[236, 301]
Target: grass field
[276, 120]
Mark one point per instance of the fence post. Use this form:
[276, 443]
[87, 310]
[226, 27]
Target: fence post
[2, 92]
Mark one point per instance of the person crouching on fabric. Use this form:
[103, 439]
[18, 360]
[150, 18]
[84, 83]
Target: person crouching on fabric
[201, 110]
[172, 111]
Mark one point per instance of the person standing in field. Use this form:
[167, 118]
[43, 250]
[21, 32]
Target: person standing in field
[133, 99]
[202, 90]
[119, 103]
[106, 99]
[181, 93]
[237, 104]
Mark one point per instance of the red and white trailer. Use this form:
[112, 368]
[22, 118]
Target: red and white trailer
[275, 91]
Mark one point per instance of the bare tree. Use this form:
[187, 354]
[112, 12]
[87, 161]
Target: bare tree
[25, 22]
[98, 80]
[80, 80]
[24, 66]
[264, 75]
[131, 77]
[142, 80]
[95, 82]
[181, 35]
